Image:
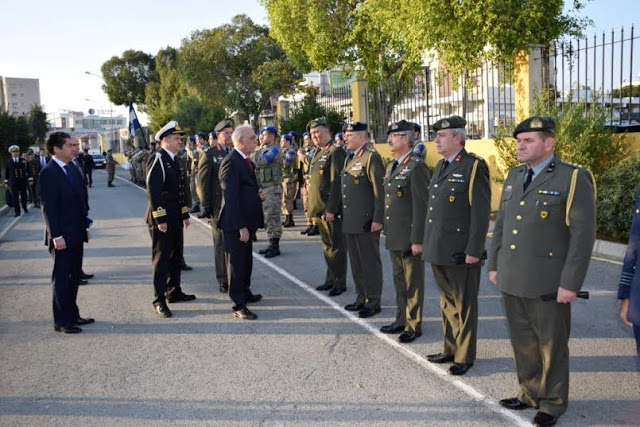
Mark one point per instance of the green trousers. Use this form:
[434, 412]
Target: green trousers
[335, 254]
[408, 278]
[366, 267]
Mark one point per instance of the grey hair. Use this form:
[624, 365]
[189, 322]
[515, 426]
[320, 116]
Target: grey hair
[238, 133]
[462, 132]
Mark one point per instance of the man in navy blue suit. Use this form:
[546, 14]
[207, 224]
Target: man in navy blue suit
[64, 207]
[240, 217]
[629, 287]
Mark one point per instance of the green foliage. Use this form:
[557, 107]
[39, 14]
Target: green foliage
[616, 199]
[506, 147]
[237, 66]
[13, 130]
[307, 110]
[625, 91]
[37, 120]
[193, 115]
[126, 77]
[162, 96]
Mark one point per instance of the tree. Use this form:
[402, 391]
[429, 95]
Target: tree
[194, 115]
[626, 91]
[237, 66]
[126, 77]
[13, 130]
[162, 96]
[38, 126]
[309, 109]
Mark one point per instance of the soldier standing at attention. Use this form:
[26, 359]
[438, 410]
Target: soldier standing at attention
[305, 154]
[325, 204]
[454, 238]
[33, 169]
[167, 216]
[405, 185]
[111, 168]
[268, 160]
[363, 214]
[290, 168]
[16, 175]
[208, 183]
[542, 243]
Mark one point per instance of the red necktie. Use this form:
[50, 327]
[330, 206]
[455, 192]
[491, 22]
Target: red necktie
[249, 163]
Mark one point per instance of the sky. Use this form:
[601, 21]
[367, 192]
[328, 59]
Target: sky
[57, 42]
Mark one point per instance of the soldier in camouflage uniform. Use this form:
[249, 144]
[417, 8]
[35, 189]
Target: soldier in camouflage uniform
[290, 167]
[305, 154]
[268, 160]
[111, 168]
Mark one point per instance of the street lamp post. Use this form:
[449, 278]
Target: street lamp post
[111, 132]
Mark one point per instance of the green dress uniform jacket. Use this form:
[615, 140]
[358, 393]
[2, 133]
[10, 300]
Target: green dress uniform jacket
[325, 170]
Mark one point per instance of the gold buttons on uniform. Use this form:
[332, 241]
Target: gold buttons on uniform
[430, 208]
[519, 217]
[550, 254]
[638, 211]
[435, 185]
[344, 206]
[430, 220]
[522, 203]
[515, 231]
[433, 197]
[387, 206]
[513, 247]
[458, 230]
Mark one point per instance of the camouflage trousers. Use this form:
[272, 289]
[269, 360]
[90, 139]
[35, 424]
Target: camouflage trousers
[271, 210]
[305, 200]
[289, 187]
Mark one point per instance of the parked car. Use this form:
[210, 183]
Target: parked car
[99, 161]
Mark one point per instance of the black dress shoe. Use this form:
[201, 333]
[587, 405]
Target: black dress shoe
[86, 276]
[80, 321]
[224, 288]
[67, 329]
[324, 287]
[440, 358]
[392, 329]
[306, 230]
[244, 313]
[336, 292]
[368, 312]
[180, 298]
[460, 368]
[186, 267]
[409, 336]
[163, 311]
[354, 307]
[514, 404]
[254, 298]
[83, 282]
[543, 419]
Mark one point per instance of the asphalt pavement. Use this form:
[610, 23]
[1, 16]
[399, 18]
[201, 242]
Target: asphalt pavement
[305, 361]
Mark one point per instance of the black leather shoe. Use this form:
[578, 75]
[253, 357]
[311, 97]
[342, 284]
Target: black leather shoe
[460, 368]
[83, 282]
[26, 210]
[392, 329]
[224, 288]
[409, 336]
[368, 312]
[543, 419]
[254, 298]
[80, 321]
[181, 298]
[86, 276]
[514, 404]
[162, 310]
[336, 292]
[324, 287]
[67, 329]
[439, 358]
[244, 314]
[186, 267]
[354, 307]
[306, 230]
[314, 231]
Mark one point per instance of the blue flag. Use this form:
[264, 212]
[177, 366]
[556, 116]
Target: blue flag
[133, 122]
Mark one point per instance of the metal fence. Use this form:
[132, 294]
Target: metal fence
[338, 99]
[598, 70]
[485, 98]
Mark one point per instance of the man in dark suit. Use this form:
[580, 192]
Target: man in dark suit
[88, 165]
[33, 169]
[240, 216]
[62, 194]
[167, 216]
[16, 175]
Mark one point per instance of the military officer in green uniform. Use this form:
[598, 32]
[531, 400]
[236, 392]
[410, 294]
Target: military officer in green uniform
[363, 213]
[325, 204]
[268, 160]
[541, 246]
[454, 238]
[305, 153]
[405, 185]
[290, 168]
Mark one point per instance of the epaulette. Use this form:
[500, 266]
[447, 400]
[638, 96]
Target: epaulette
[574, 165]
[475, 156]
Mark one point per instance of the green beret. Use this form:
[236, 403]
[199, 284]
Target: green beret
[536, 124]
[223, 124]
[356, 127]
[453, 122]
[401, 126]
[320, 121]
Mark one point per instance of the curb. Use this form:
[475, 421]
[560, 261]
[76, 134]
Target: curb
[4, 210]
[610, 249]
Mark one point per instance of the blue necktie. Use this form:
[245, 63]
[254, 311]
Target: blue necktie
[72, 178]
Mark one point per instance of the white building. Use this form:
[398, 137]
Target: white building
[18, 95]
[94, 131]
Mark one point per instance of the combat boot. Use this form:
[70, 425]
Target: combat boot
[274, 249]
[289, 222]
[314, 231]
[267, 249]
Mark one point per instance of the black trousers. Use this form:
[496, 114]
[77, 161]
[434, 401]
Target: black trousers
[239, 259]
[65, 279]
[166, 259]
[218, 253]
[88, 177]
[19, 191]
[33, 193]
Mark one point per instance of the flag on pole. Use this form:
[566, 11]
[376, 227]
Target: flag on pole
[133, 122]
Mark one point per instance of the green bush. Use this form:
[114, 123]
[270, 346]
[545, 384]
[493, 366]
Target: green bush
[616, 197]
[309, 109]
